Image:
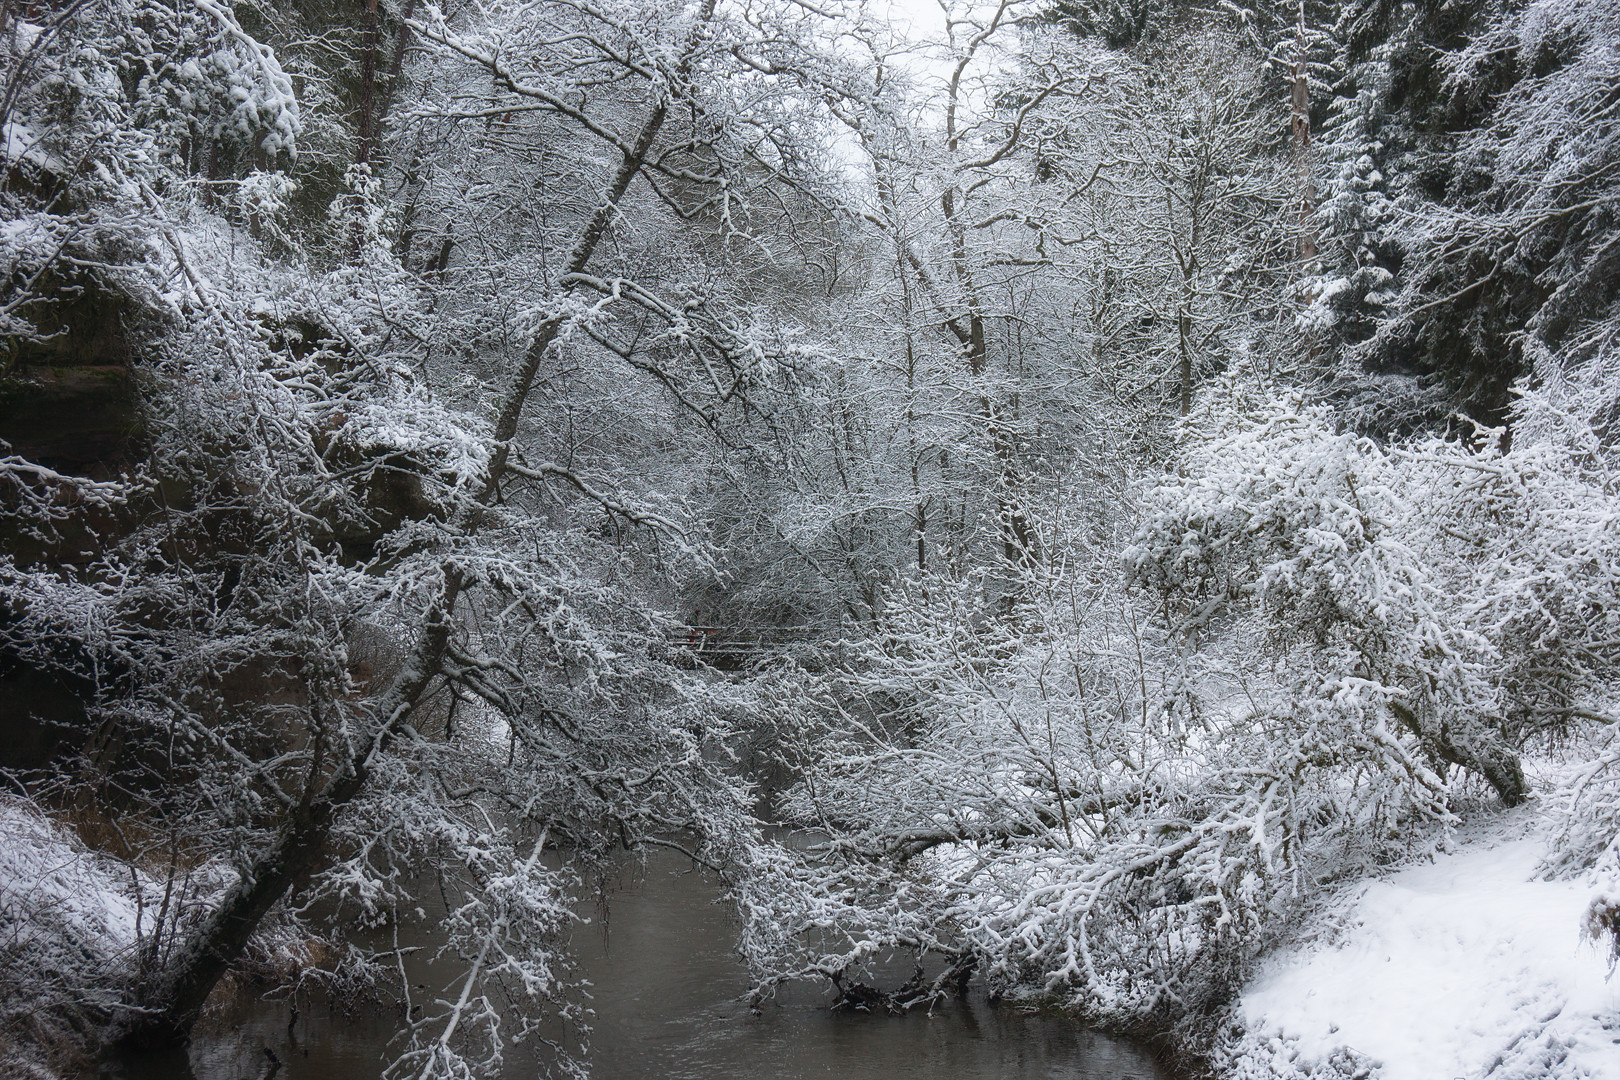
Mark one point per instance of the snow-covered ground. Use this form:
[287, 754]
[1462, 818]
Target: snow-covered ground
[1468, 967]
[69, 917]
[59, 901]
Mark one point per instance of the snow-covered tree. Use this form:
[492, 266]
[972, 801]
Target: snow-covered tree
[368, 597]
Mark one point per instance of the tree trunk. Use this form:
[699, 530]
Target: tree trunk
[1184, 346]
[1300, 108]
[170, 1004]
[1473, 746]
[368, 86]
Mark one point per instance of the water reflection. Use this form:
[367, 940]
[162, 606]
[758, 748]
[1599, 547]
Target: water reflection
[664, 994]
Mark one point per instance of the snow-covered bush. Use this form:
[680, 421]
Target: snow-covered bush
[1076, 803]
[66, 913]
[1321, 537]
[1115, 794]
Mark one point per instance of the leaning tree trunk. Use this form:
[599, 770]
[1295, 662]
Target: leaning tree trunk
[1472, 745]
[167, 1006]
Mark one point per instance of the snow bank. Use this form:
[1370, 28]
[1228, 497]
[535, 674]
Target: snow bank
[68, 920]
[61, 905]
[1465, 968]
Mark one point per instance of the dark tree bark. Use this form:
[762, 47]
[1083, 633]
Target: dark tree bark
[368, 87]
[1473, 746]
[1300, 123]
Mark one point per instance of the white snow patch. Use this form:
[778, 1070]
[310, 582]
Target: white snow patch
[20, 143]
[62, 905]
[1465, 968]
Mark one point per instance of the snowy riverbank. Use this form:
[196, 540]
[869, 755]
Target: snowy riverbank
[1469, 966]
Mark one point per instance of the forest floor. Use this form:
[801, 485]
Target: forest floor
[1470, 966]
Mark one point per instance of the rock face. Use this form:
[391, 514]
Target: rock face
[76, 419]
[70, 401]
[67, 401]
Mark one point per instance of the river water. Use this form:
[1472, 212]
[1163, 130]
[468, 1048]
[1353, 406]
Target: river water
[665, 987]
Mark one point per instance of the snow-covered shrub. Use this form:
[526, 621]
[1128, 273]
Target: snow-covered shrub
[68, 908]
[1547, 516]
[1475, 581]
[69, 918]
[1115, 796]
[1314, 535]
[1074, 802]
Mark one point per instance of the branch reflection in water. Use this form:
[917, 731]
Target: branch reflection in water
[666, 992]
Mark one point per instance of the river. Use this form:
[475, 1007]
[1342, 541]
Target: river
[665, 987]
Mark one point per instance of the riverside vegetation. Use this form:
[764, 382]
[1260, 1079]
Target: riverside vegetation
[1171, 443]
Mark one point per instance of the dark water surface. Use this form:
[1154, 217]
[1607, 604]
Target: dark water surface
[665, 985]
